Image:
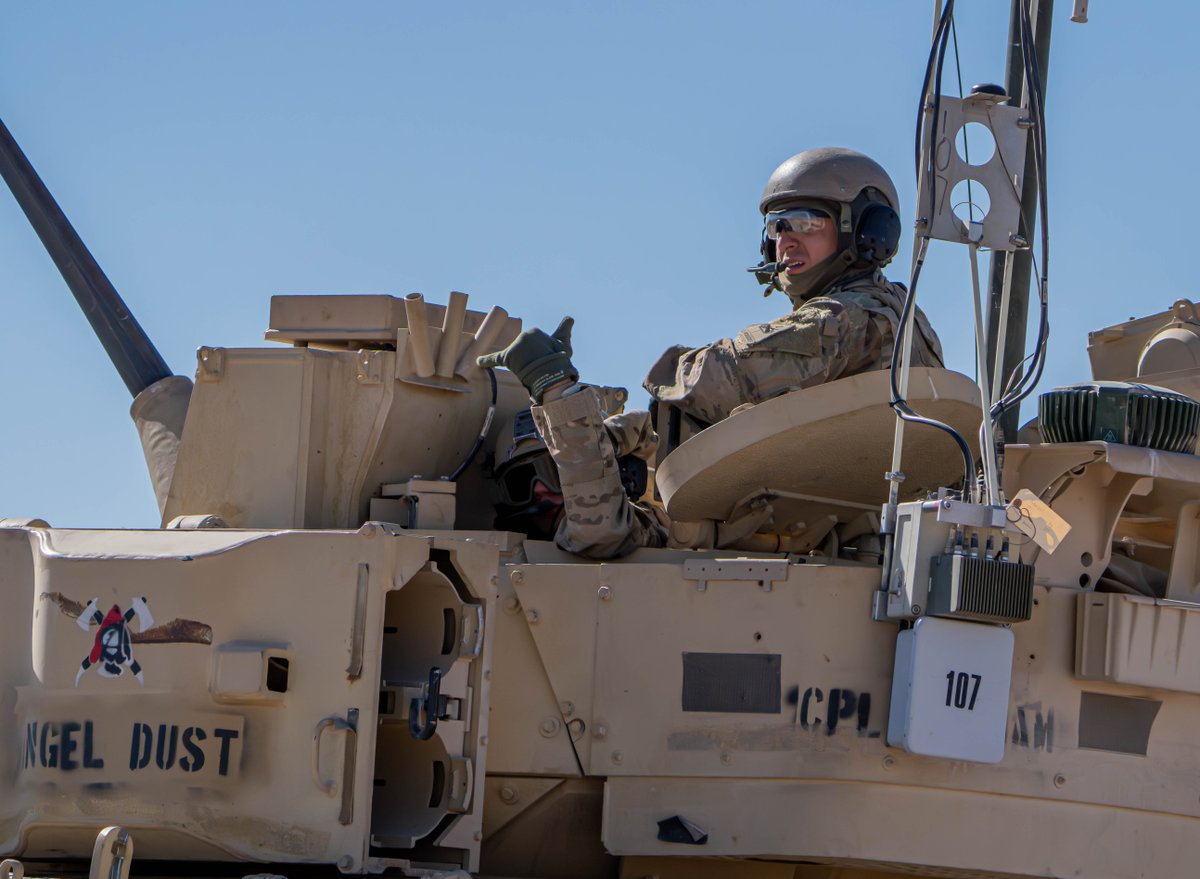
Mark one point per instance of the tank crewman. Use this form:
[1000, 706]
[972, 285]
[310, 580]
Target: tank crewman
[830, 226]
[601, 486]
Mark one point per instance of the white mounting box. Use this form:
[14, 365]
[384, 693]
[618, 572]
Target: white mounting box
[950, 690]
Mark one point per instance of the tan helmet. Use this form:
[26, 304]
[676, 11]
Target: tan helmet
[862, 199]
[829, 174]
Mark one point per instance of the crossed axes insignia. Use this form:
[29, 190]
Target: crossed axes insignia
[112, 650]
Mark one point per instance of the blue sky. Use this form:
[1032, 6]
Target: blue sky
[599, 160]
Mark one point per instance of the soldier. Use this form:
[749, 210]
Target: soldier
[830, 226]
[595, 512]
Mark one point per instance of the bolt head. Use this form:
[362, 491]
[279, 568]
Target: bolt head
[509, 795]
[618, 757]
[600, 731]
[605, 592]
[518, 576]
[532, 616]
[567, 708]
[1060, 780]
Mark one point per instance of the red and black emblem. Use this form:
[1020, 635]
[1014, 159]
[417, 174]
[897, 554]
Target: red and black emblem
[112, 648]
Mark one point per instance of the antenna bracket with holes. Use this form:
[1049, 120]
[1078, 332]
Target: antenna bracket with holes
[990, 213]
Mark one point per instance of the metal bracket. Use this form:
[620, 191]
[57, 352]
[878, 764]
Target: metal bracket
[1001, 177]
[358, 635]
[472, 631]
[370, 368]
[429, 706]
[210, 364]
[954, 512]
[763, 571]
[112, 855]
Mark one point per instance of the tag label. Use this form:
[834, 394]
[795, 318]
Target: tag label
[1033, 517]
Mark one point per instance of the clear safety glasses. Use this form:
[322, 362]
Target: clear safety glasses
[802, 221]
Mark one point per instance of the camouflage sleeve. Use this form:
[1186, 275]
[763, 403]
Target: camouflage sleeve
[818, 342]
[600, 521]
[632, 434]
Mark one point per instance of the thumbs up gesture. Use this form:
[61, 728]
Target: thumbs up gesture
[538, 360]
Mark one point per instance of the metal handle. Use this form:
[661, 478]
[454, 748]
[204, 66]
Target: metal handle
[112, 855]
[329, 788]
[422, 730]
[349, 726]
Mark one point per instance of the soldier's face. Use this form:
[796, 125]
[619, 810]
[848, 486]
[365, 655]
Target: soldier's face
[797, 252]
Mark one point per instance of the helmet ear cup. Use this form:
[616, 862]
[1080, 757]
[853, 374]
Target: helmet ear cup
[767, 248]
[877, 234]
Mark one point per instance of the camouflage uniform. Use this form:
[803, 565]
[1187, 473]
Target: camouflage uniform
[599, 520]
[849, 329]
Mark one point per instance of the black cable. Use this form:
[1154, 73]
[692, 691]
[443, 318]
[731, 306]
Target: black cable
[924, 160]
[937, 35]
[483, 432]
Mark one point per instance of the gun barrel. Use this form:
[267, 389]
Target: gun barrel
[130, 349]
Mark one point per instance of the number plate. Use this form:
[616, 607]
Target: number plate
[950, 690]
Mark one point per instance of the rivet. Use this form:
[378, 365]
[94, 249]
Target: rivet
[600, 731]
[889, 761]
[618, 757]
[1060, 780]
[509, 795]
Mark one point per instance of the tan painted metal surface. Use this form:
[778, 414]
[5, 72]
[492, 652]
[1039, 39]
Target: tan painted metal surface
[812, 449]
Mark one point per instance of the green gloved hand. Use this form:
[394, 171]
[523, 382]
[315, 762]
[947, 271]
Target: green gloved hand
[537, 359]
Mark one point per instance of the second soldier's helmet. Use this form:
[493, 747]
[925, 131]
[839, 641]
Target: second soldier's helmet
[856, 188]
[527, 491]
